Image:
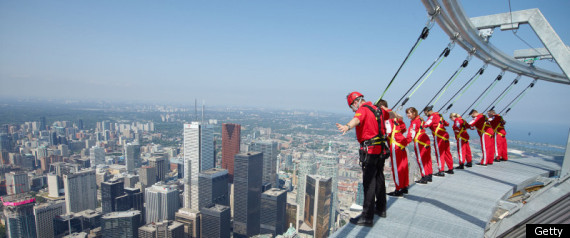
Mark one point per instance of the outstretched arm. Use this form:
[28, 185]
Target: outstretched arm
[351, 124]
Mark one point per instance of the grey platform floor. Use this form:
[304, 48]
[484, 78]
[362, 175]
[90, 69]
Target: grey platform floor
[458, 205]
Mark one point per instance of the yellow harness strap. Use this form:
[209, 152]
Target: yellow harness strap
[420, 131]
[393, 139]
[438, 128]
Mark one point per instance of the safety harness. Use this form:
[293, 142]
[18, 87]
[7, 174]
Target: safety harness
[485, 125]
[439, 127]
[420, 132]
[499, 126]
[463, 126]
[393, 135]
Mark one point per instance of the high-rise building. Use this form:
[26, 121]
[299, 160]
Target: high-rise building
[130, 180]
[328, 167]
[76, 222]
[213, 187]
[216, 221]
[162, 166]
[44, 215]
[307, 166]
[97, 156]
[247, 193]
[269, 150]
[121, 224]
[291, 214]
[161, 202]
[19, 216]
[231, 134]
[163, 229]
[318, 205]
[147, 176]
[190, 220]
[80, 191]
[198, 156]
[17, 182]
[109, 192]
[132, 199]
[273, 211]
[132, 156]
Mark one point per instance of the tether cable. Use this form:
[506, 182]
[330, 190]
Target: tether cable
[423, 36]
[436, 62]
[468, 84]
[502, 95]
[484, 91]
[453, 76]
[518, 98]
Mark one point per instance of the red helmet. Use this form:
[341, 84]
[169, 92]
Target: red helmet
[353, 96]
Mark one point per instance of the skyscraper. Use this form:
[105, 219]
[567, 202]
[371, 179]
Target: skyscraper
[328, 167]
[97, 156]
[269, 150]
[247, 193]
[147, 176]
[121, 224]
[132, 198]
[17, 182]
[318, 205]
[161, 202]
[231, 134]
[109, 192]
[273, 211]
[132, 156]
[213, 187]
[44, 215]
[80, 190]
[198, 156]
[216, 221]
[19, 214]
[162, 166]
[307, 166]
[190, 220]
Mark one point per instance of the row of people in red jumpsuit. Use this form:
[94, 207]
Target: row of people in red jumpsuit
[491, 131]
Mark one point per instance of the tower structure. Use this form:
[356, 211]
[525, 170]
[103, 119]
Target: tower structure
[213, 187]
[19, 215]
[162, 202]
[231, 140]
[132, 156]
[273, 211]
[80, 190]
[198, 156]
[269, 150]
[318, 205]
[247, 193]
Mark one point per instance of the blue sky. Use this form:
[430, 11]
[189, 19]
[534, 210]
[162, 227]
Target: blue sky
[273, 54]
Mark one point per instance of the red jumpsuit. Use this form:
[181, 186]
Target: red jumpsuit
[442, 151]
[498, 125]
[462, 137]
[487, 139]
[417, 135]
[398, 156]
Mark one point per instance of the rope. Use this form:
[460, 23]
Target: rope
[468, 84]
[423, 35]
[453, 76]
[440, 58]
[491, 85]
[503, 94]
[518, 98]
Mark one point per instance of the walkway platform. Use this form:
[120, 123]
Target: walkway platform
[458, 205]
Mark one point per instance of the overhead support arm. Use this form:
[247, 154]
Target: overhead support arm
[452, 19]
[539, 24]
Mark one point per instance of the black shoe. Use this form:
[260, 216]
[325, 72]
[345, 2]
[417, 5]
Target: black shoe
[460, 167]
[404, 190]
[380, 214]
[422, 181]
[440, 174]
[397, 194]
[449, 171]
[497, 160]
[428, 178]
[469, 164]
[361, 221]
[504, 160]
[481, 164]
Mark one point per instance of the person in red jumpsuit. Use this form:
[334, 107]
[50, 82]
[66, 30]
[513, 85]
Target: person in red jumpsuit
[441, 140]
[486, 134]
[398, 156]
[417, 135]
[498, 125]
[372, 154]
[463, 149]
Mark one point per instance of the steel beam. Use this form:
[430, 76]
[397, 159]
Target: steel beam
[541, 27]
[452, 19]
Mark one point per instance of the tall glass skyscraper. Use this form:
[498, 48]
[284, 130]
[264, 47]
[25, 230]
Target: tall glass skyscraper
[198, 156]
[318, 205]
[132, 156]
[230, 146]
[269, 150]
[80, 191]
[19, 214]
[162, 202]
[247, 194]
